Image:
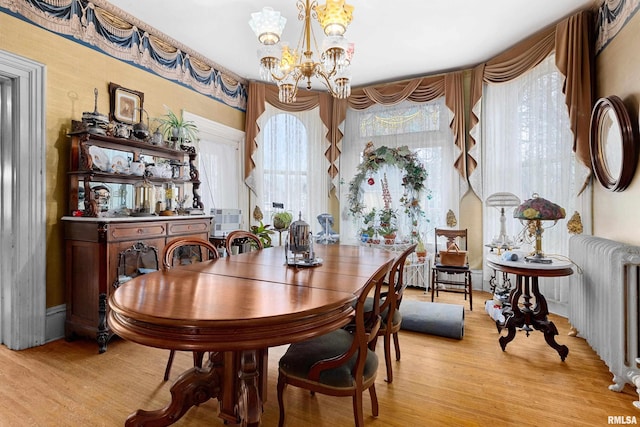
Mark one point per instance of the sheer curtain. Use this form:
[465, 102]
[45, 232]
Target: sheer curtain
[218, 162]
[291, 165]
[424, 128]
[527, 148]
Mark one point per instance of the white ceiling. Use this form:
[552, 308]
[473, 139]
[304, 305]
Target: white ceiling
[393, 40]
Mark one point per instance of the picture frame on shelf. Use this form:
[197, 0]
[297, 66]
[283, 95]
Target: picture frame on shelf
[125, 104]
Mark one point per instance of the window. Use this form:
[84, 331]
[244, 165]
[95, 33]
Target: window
[528, 148]
[424, 128]
[290, 164]
[286, 164]
[219, 163]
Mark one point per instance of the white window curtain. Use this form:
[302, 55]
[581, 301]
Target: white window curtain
[291, 167]
[424, 128]
[527, 148]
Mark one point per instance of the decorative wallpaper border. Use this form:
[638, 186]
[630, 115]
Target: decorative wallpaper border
[612, 16]
[104, 27]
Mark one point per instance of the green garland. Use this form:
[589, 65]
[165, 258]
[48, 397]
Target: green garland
[413, 180]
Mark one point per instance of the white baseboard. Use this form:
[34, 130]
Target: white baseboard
[54, 323]
[476, 280]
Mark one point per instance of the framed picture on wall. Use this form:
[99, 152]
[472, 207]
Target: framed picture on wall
[126, 104]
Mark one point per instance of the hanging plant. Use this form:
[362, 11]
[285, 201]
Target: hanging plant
[413, 179]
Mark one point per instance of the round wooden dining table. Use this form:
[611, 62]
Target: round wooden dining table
[235, 308]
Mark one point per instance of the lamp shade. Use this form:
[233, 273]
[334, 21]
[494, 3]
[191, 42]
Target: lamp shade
[267, 25]
[539, 208]
[502, 200]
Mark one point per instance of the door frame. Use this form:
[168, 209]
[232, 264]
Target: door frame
[23, 219]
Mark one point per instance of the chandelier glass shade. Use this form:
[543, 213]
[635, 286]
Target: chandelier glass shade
[286, 67]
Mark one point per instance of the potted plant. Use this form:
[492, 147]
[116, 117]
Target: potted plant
[261, 230]
[421, 250]
[176, 129]
[282, 220]
[388, 233]
[387, 217]
[367, 231]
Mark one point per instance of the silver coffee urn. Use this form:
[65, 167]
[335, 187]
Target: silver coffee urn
[299, 245]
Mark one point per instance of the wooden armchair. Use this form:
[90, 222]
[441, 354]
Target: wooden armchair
[339, 363]
[183, 251]
[448, 282]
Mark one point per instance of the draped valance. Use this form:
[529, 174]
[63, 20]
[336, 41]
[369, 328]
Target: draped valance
[333, 111]
[571, 40]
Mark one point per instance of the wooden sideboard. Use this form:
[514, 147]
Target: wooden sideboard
[94, 250]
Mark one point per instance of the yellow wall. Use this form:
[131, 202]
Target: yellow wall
[72, 73]
[615, 214]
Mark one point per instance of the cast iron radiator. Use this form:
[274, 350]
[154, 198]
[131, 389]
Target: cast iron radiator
[603, 304]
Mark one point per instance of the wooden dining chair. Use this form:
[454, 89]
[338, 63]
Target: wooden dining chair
[443, 275]
[255, 241]
[390, 310]
[340, 362]
[183, 251]
[187, 250]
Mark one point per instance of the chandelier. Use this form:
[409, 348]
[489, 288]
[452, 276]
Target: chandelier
[287, 67]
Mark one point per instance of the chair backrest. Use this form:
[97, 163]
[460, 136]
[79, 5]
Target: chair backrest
[397, 284]
[390, 299]
[448, 236]
[242, 234]
[367, 324]
[187, 250]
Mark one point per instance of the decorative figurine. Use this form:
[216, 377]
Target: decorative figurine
[327, 235]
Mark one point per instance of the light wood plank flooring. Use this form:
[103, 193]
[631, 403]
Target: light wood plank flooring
[438, 382]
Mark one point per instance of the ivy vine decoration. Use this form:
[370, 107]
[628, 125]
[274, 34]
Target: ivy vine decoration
[413, 180]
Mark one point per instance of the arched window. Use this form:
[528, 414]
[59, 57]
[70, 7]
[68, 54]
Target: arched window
[424, 129]
[286, 164]
[291, 167]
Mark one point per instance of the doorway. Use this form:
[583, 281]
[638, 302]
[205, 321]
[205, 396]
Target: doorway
[22, 219]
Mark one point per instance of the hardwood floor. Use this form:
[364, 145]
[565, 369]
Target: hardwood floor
[438, 382]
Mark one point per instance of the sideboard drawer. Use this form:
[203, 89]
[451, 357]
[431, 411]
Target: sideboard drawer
[116, 233]
[177, 228]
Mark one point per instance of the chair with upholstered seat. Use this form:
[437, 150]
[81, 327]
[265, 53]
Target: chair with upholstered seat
[443, 276]
[390, 309]
[242, 235]
[340, 362]
[184, 251]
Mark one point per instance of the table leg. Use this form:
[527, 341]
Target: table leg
[541, 322]
[493, 282]
[193, 387]
[514, 317]
[249, 407]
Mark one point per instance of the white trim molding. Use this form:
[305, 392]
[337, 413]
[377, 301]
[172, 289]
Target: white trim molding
[23, 212]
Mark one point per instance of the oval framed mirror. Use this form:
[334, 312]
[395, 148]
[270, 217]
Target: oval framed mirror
[613, 152]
